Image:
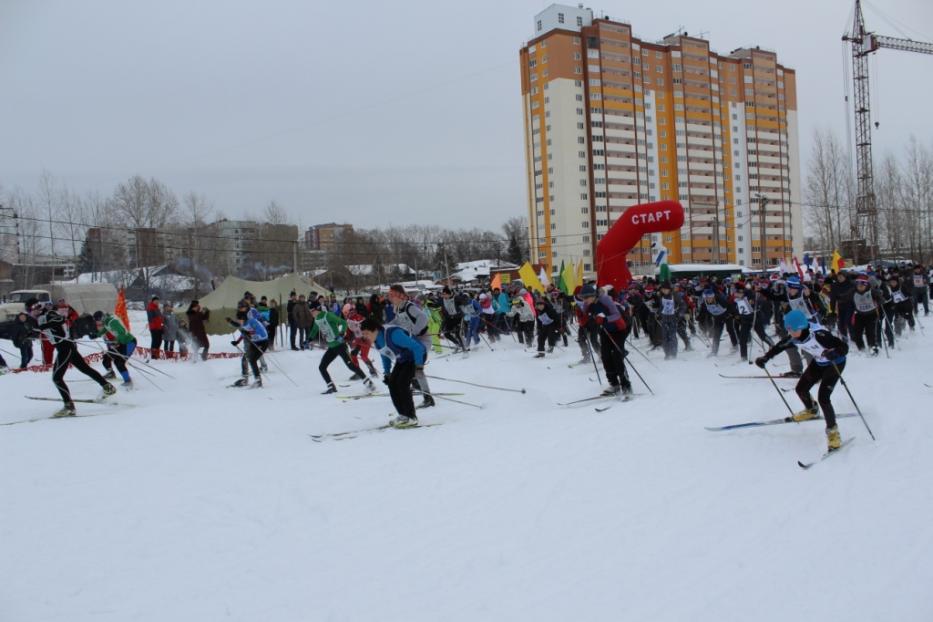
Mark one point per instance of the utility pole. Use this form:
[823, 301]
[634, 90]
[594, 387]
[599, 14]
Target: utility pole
[295, 258]
[763, 238]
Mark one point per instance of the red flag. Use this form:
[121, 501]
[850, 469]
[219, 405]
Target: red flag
[799, 269]
[119, 309]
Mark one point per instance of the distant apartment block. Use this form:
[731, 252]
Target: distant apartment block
[612, 120]
[325, 237]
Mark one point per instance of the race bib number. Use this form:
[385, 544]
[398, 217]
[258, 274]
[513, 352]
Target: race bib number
[899, 296]
[744, 307]
[918, 280]
[667, 306]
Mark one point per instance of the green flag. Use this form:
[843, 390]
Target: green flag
[561, 285]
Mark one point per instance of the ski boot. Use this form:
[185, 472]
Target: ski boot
[242, 382]
[257, 384]
[806, 414]
[539, 355]
[127, 385]
[110, 375]
[427, 403]
[109, 390]
[68, 410]
[330, 389]
[550, 350]
[401, 421]
[369, 385]
[874, 351]
[612, 390]
[372, 369]
[357, 376]
[833, 439]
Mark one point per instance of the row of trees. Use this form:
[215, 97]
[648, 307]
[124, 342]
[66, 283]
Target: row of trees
[903, 196]
[143, 222]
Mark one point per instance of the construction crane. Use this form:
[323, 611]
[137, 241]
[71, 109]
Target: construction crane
[864, 43]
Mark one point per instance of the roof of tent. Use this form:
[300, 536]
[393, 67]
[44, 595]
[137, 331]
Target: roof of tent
[231, 291]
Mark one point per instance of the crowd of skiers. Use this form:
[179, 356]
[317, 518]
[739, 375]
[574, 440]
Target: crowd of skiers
[784, 313]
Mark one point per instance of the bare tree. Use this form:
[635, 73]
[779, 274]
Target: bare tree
[829, 192]
[274, 214]
[917, 196]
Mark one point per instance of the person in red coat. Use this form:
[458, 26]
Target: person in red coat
[154, 315]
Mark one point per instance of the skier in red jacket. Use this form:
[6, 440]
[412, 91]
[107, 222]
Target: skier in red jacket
[154, 315]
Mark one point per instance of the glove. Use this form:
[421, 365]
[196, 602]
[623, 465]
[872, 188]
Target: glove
[600, 319]
[761, 361]
[234, 342]
[831, 354]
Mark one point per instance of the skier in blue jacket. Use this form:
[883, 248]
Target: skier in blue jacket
[402, 355]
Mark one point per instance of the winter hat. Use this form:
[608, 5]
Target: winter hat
[98, 316]
[588, 290]
[707, 293]
[862, 280]
[796, 320]
[794, 282]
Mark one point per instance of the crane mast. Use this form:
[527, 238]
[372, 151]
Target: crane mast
[864, 43]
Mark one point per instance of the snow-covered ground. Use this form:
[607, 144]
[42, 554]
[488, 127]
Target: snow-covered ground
[198, 502]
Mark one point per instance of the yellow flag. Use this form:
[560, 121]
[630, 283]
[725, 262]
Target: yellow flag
[580, 273]
[837, 261]
[496, 281]
[570, 277]
[529, 278]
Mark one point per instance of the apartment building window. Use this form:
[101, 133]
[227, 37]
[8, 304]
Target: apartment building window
[583, 168]
[576, 40]
[544, 60]
[580, 111]
[580, 126]
[539, 25]
[659, 69]
[580, 140]
[583, 196]
[576, 56]
[582, 154]
[576, 69]
[560, 18]
[579, 21]
[579, 97]
[660, 81]
[583, 182]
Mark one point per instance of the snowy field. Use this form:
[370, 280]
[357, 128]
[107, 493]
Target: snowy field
[193, 501]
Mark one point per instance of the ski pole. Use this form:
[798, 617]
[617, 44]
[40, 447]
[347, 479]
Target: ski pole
[643, 355]
[622, 352]
[450, 399]
[879, 333]
[473, 384]
[279, 367]
[857, 409]
[774, 384]
[589, 348]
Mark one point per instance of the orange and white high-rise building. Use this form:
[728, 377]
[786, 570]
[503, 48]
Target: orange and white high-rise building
[612, 121]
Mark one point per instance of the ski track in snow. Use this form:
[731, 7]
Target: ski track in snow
[205, 503]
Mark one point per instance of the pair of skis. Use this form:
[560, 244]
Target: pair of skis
[783, 420]
[58, 399]
[618, 397]
[351, 434]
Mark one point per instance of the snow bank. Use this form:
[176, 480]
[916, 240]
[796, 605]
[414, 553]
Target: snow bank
[192, 501]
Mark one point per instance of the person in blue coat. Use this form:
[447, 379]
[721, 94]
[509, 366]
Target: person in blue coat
[402, 355]
[253, 334]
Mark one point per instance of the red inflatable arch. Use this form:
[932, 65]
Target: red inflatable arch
[611, 268]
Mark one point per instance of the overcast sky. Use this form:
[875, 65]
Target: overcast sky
[369, 113]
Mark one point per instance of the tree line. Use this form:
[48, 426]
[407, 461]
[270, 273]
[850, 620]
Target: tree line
[903, 186]
[143, 222]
